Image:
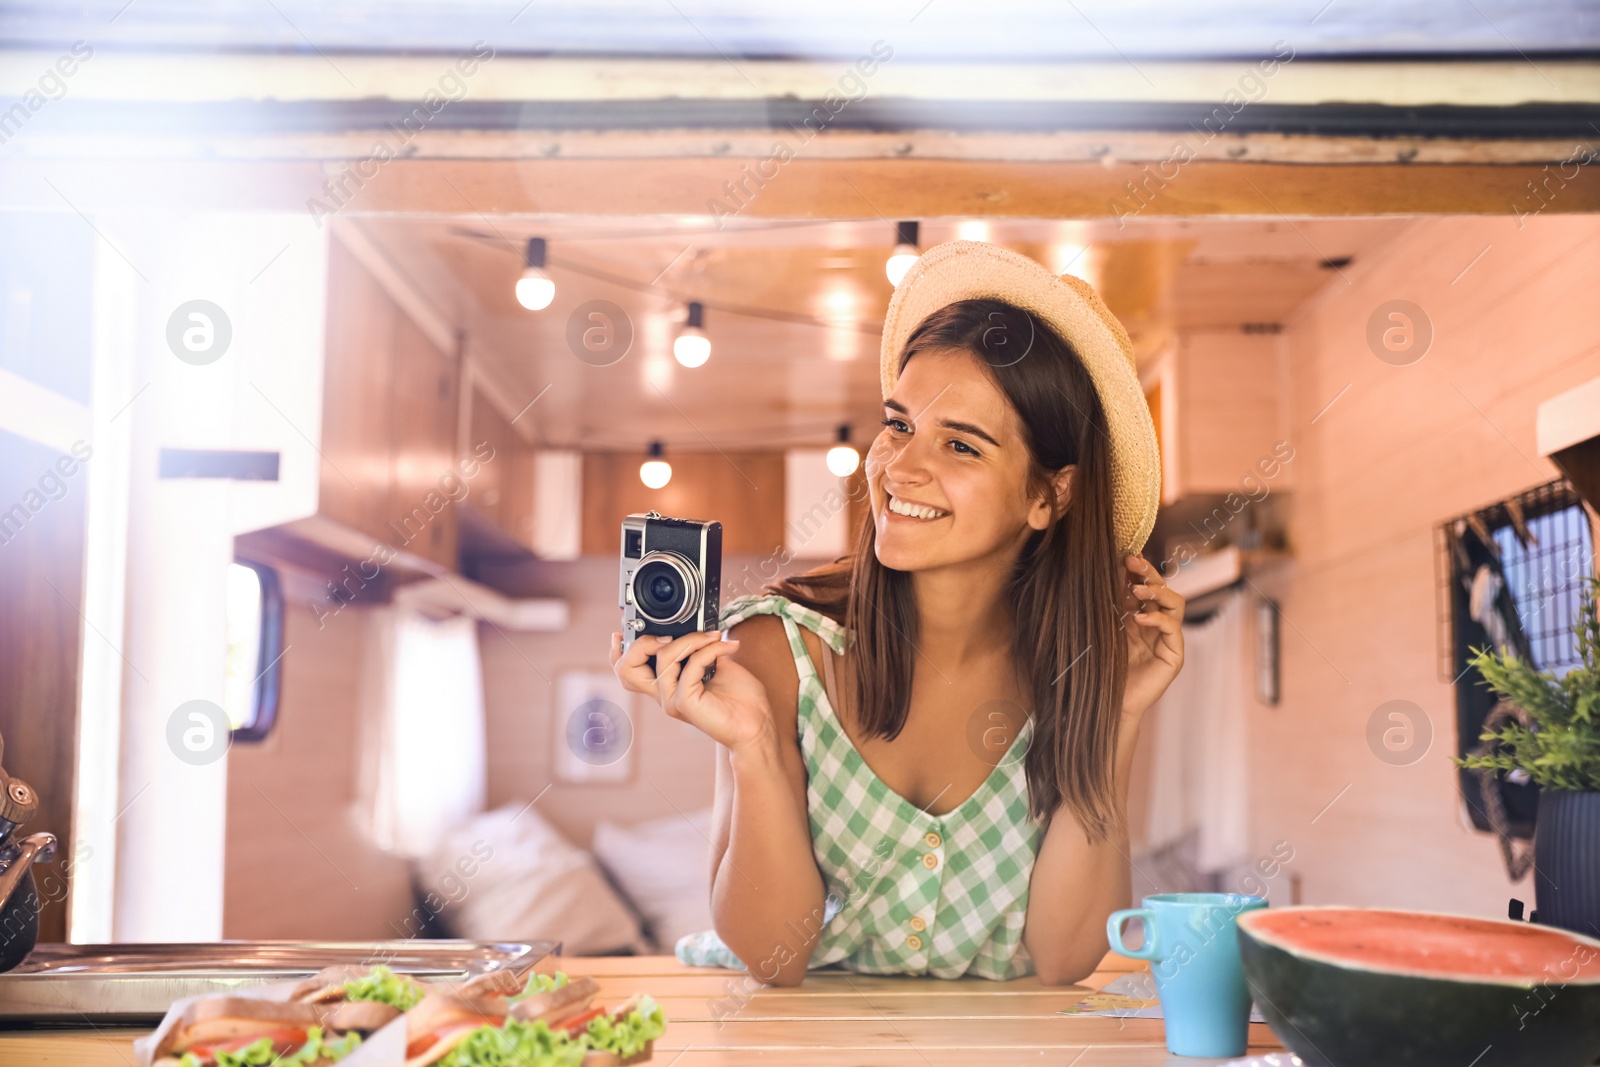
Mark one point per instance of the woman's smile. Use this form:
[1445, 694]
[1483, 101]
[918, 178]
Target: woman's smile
[913, 511]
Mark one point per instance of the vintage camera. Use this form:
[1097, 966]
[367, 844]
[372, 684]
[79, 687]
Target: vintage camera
[671, 577]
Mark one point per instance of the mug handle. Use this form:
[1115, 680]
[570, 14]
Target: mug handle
[1114, 925]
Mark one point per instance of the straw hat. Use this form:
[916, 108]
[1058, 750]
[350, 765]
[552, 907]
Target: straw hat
[968, 270]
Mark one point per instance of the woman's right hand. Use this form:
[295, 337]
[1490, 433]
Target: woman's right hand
[731, 709]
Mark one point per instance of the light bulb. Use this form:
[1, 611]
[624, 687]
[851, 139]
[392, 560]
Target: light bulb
[906, 236]
[655, 473]
[692, 348]
[535, 290]
[900, 262]
[843, 460]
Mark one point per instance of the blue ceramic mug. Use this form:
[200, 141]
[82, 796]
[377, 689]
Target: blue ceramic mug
[1191, 942]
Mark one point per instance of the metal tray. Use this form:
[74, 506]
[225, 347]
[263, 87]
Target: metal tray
[61, 984]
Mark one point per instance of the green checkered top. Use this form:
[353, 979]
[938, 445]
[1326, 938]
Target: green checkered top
[907, 892]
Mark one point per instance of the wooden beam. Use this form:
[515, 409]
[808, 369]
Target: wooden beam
[806, 188]
[1104, 146]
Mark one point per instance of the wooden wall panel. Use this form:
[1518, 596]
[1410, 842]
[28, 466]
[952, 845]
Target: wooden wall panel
[290, 797]
[742, 490]
[1227, 399]
[1394, 450]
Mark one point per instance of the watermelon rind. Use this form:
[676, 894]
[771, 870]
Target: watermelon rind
[1338, 1013]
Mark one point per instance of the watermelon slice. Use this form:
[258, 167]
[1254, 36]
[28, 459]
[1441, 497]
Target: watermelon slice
[1367, 987]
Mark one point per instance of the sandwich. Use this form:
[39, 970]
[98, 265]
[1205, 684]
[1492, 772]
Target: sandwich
[251, 1032]
[377, 985]
[552, 1022]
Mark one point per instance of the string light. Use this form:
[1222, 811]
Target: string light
[843, 459]
[535, 289]
[905, 251]
[655, 472]
[692, 347]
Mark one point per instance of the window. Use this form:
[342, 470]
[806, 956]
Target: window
[1543, 579]
[1510, 576]
[255, 647]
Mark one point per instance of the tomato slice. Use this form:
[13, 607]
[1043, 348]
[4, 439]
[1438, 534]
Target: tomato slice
[422, 1044]
[285, 1040]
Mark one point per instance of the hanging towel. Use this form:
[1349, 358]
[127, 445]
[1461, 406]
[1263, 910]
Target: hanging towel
[422, 728]
[1482, 606]
[1199, 745]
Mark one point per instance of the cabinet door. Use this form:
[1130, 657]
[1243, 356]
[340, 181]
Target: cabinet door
[356, 442]
[425, 482]
[503, 490]
[742, 490]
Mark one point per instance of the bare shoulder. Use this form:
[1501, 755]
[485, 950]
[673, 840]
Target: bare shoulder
[764, 652]
[763, 640]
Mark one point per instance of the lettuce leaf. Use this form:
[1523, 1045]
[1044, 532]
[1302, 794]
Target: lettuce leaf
[261, 1054]
[516, 1044]
[626, 1036]
[384, 986]
[541, 983]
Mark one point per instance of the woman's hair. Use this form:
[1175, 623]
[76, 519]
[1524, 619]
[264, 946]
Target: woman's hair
[1067, 644]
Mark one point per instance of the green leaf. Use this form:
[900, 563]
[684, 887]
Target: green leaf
[1561, 748]
[384, 986]
[542, 983]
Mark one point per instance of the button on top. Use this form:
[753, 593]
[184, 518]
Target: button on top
[929, 860]
[914, 942]
[933, 839]
[917, 923]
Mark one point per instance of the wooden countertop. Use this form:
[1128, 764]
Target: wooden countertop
[834, 1019]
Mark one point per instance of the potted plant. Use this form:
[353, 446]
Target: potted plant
[1557, 746]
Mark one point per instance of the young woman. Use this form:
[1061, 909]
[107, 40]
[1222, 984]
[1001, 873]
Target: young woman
[923, 749]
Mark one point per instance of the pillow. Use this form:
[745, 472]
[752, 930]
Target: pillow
[664, 866]
[508, 875]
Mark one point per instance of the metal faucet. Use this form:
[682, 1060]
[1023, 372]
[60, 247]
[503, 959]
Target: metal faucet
[19, 896]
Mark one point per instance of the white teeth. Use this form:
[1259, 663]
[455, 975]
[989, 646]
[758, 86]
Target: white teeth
[915, 511]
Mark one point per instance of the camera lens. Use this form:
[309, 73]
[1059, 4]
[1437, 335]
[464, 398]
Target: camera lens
[666, 588]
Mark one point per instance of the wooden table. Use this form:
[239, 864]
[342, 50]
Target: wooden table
[717, 1018]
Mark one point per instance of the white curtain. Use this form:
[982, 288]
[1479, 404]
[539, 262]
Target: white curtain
[422, 728]
[1199, 781]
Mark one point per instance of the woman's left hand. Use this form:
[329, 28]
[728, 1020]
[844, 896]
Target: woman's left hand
[1153, 620]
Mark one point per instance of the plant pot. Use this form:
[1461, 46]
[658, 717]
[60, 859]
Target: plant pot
[1566, 861]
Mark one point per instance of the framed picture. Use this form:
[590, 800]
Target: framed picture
[593, 727]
